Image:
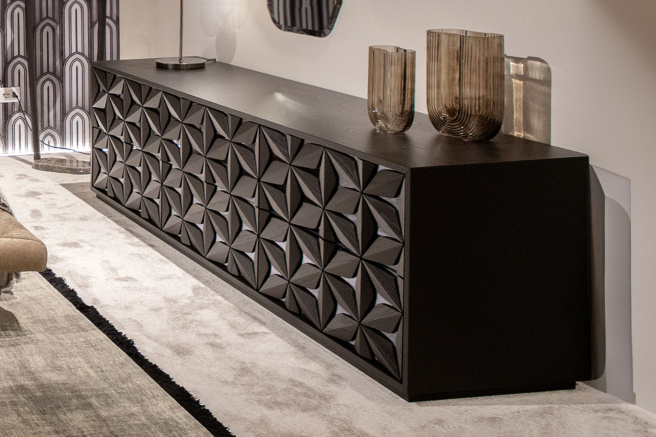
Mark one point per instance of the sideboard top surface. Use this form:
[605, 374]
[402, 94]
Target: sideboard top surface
[327, 115]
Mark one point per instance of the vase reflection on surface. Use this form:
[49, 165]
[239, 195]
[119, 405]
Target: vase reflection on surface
[391, 88]
[465, 83]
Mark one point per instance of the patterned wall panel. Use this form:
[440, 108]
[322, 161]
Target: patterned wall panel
[15, 29]
[49, 93]
[47, 8]
[76, 27]
[318, 232]
[2, 62]
[111, 14]
[18, 133]
[65, 34]
[48, 50]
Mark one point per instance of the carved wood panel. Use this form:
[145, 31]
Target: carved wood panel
[317, 231]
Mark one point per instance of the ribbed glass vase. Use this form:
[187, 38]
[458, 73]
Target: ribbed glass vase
[391, 90]
[465, 81]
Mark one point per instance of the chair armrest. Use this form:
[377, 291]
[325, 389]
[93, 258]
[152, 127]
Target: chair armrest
[20, 250]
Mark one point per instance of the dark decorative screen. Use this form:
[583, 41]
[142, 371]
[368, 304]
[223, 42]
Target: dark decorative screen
[318, 232]
[66, 41]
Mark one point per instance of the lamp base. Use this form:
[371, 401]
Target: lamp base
[186, 63]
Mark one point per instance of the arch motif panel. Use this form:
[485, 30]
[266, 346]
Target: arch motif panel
[19, 140]
[76, 88]
[111, 40]
[2, 54]
[49, 98]
[15, 27]
[51, 137]
[76, 27]
[77, 129]
[48, 49]
[17, 77]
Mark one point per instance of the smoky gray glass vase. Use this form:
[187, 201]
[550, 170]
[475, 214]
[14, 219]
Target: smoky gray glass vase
[391, 88]
[465, 83]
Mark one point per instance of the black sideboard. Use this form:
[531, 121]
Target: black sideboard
[437, 267]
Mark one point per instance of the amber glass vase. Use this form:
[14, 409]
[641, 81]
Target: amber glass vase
[391, 92]
[465, 81]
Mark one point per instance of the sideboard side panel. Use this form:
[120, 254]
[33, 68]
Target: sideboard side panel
[498, 271]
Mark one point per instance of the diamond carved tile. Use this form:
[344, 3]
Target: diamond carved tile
[289, 175]
[235, 242]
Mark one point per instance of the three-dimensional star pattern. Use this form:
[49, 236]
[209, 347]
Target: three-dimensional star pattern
[315, 230]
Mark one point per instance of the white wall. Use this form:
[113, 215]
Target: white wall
[600, 51]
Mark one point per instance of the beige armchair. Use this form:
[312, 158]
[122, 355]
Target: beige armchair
[20, 251]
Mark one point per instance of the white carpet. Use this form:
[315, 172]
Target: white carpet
[258, 375]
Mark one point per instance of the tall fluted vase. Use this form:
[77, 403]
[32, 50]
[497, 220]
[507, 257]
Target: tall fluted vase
[391, 88]
[465, 81]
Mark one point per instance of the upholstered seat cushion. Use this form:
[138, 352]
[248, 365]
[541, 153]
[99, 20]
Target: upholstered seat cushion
[19, 250]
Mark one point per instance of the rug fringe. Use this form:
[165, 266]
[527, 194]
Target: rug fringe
[186, 400]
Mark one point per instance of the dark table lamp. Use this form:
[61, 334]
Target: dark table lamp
[181, 63]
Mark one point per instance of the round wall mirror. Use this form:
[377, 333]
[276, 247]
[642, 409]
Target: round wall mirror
[308, 17]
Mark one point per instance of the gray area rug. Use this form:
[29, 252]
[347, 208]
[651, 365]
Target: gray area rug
[61, 376]
[258, 375]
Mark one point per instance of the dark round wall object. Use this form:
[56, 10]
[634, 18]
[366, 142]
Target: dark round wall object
[307, 17]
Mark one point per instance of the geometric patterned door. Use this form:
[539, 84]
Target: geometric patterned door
[318, 232]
